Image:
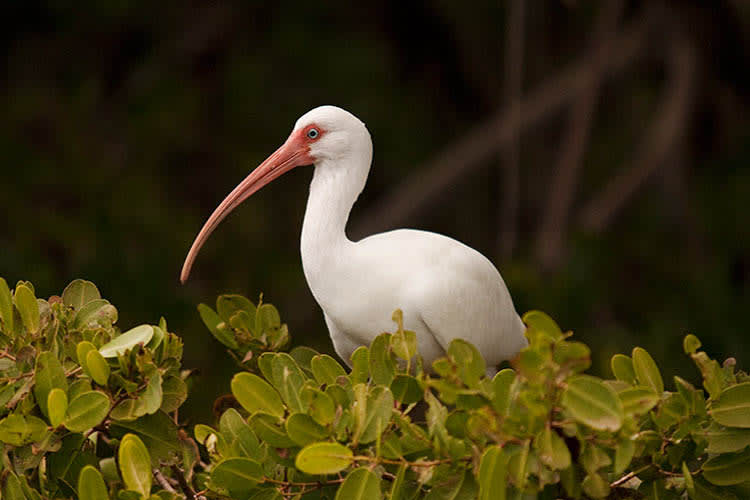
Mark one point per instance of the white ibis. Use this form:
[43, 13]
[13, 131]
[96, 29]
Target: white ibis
[444, 288]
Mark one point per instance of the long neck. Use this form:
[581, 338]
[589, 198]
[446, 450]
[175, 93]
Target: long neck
[333, 191]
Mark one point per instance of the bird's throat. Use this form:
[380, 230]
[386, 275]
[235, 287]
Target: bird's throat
[326, 250]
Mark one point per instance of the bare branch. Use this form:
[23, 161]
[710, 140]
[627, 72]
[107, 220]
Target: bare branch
[514, 46]
[422, 189]
[665, 130]
[551, 235]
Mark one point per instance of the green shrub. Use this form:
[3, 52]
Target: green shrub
[89, 412]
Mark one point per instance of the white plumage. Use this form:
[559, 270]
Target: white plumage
[444, 288]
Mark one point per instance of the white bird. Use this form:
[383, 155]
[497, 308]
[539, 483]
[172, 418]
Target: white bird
[444, 288]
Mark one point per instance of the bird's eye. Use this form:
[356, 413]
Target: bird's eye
[313, 133]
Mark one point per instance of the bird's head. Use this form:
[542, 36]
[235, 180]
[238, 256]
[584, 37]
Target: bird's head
[330, 133]
[321, 136]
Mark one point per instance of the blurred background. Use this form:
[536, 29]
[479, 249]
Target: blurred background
[596, 151]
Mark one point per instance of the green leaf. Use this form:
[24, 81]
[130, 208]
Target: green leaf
[471, 366]
[404, 344]
[6, 307]
[449, 484]
[728, 468]
[268, 429]
[501, 390]
[236, 476]
[303, 430]
[288, 379]
[689, 483]
[400, 489]
[217, 327]
[150, 400]
[98, 367]
[646, 370]
[622, 368]
[323, 458]
[266, 318]
[733, 406]
[159, 335]
[594, 458]
[135, 464]
[97, 313]
[27, 307]
[623, 455]
[590, 401]
[703, 490]
[370, 424]
[691, 344]
[141, 334]
[360, 484]
[202, 432]
[406, 389]
[638, 400]
[360, 365]
[91, 484]
[325, 369]
[382, 363]
[228, 304]
[575, 356]
[157, 431]
[493, 472]
[239, 434]
[12, 488]
[303, 357]
[726, 439]
[595, 486]
[49, 374]
[82, 349]
[87, 410]
[174, 393]
[79, 293]
[255, 394]
[64, 466]
[57, 406]
[542, 323]
[322, 407]
[714, 379]
[14, 430]
[552, 450]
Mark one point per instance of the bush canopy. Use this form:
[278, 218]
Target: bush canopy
[91, 412]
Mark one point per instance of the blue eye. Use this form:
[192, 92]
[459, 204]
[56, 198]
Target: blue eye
[313, 133]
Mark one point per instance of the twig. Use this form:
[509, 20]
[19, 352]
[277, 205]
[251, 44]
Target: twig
[6, 354]
[421, 189]
[514, 46]
[550, 237]
[184, 486]
[630, 475]
[665, 131]
[163, 481]
[301, 484]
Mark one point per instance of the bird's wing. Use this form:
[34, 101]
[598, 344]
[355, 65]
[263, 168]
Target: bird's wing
[460, 293]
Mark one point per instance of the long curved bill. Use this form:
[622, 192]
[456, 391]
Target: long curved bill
[288, 156]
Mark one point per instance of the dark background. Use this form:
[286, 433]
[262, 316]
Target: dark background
[597, 152]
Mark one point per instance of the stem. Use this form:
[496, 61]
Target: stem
[630, 475]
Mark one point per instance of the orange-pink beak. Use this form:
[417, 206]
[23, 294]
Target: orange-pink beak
[293, 153]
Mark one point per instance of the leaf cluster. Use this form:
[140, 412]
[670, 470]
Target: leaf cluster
[89, 412]
[86, 411]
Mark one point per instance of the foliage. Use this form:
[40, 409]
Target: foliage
[90, 412]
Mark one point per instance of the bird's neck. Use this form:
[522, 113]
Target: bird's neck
[325, 247]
